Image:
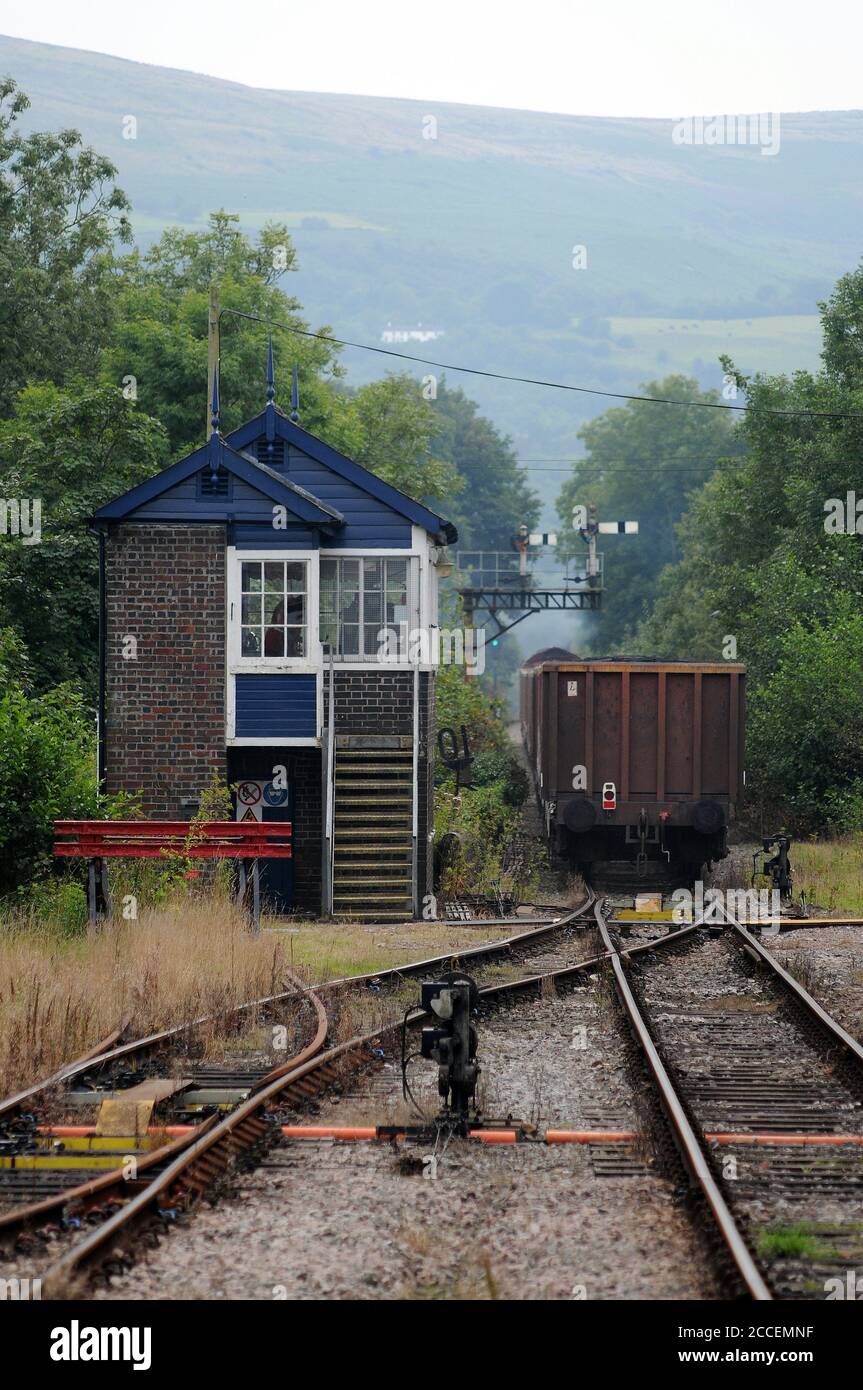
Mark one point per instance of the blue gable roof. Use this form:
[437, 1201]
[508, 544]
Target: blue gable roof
[176, 489]
[321, 489]
[299, 444]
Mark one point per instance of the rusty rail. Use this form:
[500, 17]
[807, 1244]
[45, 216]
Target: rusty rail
[86, 1192]
[687, 1139]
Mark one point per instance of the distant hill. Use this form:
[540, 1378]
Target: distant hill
[690, 250]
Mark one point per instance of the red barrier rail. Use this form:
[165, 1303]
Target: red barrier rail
[140, 839]
[98, 840]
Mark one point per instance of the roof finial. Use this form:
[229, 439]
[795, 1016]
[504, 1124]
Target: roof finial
[295, 396]
[215, 443]
[271, 375]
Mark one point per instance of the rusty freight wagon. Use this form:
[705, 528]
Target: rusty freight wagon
[635, 759]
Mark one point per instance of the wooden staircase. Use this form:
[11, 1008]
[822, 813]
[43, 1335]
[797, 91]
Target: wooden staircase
[373, 828]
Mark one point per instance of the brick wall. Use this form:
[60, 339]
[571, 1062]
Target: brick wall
[165, 710]
[371, 702]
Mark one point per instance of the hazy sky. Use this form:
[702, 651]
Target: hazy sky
[611, 58]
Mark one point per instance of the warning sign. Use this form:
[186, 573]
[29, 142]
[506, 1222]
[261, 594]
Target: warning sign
[250, 793]
[253, 796]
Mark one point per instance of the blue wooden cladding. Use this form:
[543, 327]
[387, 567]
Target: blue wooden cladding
[276, 706]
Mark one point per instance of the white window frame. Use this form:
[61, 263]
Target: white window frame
[296, 664]
[424, 594]
[237, 664]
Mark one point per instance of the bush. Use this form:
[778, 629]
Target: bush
[805, 726]
[504, 768]
[460, 700]
[484, 825]
[58, 904]
[47, 773]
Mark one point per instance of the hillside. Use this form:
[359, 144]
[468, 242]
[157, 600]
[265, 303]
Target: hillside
[690, 250]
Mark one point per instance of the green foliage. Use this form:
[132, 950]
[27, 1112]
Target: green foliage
[805, 741]
[643, 462]
[47, 773]
[390, 429]
[58, 905]
[460, 699]
[485, 824]
[73, 449]
[161, 333]
[760, 565]
[483, 816]
[176, 874]
[214, 804]
[506, 769]
[14, 662]
[60, 214]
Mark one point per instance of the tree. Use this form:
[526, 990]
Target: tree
[161, 336]
[389, 428]
[47, 773]
[60, 215]
[643, 462]
[815, 777]
[772, 567]
[71, 449]
[496, 497]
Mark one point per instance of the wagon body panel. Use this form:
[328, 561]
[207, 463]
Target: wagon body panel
[669, 736]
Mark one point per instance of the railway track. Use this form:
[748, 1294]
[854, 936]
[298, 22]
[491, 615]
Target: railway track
[49, 1176]
[758, 1150]
[365, 1071]
[121, 1069]
[763, 1093]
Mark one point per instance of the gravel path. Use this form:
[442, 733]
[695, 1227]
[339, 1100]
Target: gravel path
[828, 962]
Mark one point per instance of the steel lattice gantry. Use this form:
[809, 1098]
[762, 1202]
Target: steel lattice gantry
[523, 602]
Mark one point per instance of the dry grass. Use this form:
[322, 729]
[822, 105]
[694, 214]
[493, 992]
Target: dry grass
[358, 1014]
[804, 970]
[575, 891]
[60, 995]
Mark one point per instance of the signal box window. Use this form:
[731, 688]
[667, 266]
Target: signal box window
[360, 601]
[274, 599]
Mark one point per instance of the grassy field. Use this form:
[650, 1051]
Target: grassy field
[772, 342]
[326, 950]
[830, 873]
